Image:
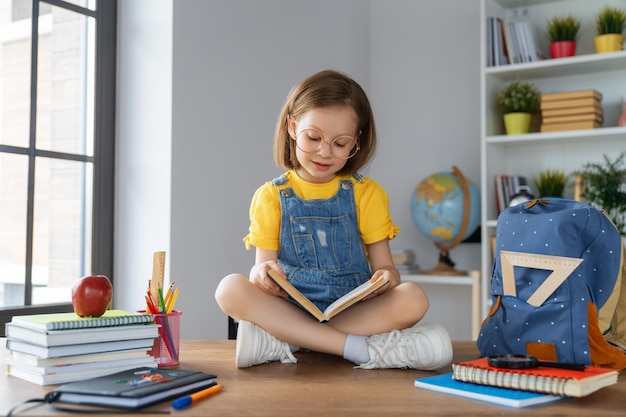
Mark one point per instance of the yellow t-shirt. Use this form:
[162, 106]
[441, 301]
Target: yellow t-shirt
[372, 208]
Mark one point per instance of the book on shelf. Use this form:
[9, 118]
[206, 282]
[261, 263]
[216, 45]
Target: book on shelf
[349, 299]
[48, 375]
[554, 381]
[511, 33]
[403, 257]
[495, 43]
[572, 111]
[584, 117]
[80, 336]
[511, 42]
[522, 41]
[489, 40]
[569, 95]
[506, 186]
[445, 383]
[405, 269]
[33, 360]
[590, 102]
[66, 321]
[79, 349]
[135, 388]
[559, 127]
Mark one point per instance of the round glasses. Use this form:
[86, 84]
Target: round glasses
[342, 147]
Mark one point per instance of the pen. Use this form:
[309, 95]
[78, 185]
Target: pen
[188, 399]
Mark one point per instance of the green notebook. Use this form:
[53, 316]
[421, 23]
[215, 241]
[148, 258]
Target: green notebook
[68, 321]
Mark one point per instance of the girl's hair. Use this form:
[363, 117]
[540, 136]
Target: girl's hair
[323, 89]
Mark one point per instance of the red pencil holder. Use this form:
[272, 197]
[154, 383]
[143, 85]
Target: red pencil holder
[166, 347]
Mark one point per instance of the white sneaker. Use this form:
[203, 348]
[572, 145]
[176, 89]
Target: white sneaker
[256, 346]
[426, 347]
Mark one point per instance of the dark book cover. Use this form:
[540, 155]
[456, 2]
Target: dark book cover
[134, 388]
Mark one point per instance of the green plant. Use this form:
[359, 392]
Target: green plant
[604, 187]
[550, 182]
[563, 28]
[610, 20]
[518, 97]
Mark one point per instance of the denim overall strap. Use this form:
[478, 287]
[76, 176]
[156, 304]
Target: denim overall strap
[320, 245]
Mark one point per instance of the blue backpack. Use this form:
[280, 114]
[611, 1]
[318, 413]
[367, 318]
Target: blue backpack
[555, 284]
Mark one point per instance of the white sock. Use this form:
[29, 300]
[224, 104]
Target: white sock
[355, 349]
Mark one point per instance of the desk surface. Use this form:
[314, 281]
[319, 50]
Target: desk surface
[325, 385]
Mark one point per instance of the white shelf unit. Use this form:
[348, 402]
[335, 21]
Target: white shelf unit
[530, 153]
[472, 279]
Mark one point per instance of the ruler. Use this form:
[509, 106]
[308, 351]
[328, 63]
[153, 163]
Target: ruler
[561, 268]
[158, 273]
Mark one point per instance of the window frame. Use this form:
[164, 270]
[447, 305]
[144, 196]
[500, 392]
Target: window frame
[103, 155]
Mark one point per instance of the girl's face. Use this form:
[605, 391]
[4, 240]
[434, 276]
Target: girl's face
[334, 130]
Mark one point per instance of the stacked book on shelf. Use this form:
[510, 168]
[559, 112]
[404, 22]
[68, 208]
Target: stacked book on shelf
[506, 186]
[510, 42]
[63, 347]
[405, 261]
[571, 110]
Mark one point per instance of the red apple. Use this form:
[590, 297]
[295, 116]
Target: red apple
[91, 295]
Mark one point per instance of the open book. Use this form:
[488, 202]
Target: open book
[335, 308]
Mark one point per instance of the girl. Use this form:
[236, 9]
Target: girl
[326, 228]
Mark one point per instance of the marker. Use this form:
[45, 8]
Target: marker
[196, 396]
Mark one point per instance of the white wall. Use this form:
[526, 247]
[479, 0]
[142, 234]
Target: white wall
[233, 63]
[143, 147]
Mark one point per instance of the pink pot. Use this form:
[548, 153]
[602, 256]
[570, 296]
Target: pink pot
[562, 49]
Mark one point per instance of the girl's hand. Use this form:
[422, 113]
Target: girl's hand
[260, 277]
[382, 264]
[391, 274]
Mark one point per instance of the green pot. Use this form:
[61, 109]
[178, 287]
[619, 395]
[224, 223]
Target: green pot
[517, 123]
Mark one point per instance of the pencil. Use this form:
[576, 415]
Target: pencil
[168, 294]
[172, 302]
[162, 301]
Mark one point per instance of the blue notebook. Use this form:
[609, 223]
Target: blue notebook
[496, 395]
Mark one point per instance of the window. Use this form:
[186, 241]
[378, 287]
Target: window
[57, 103]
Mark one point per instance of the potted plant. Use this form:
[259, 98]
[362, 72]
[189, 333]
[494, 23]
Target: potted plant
[610, 23]
[550, 183]
[517, 100]
[604, 187]
[563, 32]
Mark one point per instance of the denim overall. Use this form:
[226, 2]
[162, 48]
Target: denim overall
[321, 250]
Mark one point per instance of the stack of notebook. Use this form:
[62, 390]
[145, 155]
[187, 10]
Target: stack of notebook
[477, 379]
[571, 110]
[59, 348]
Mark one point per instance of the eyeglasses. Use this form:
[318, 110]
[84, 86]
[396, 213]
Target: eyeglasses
[342, 147]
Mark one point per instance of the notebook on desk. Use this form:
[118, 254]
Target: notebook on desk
[133, 389]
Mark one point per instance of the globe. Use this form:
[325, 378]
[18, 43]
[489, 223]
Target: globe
[445, 207]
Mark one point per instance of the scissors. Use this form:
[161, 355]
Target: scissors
[528, 362]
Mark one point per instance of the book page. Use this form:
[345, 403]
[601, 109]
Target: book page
[297, 295]
[354, 296]
[338, 306]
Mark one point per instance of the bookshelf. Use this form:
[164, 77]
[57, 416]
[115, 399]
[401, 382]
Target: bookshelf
[471, 279]
[567, 150]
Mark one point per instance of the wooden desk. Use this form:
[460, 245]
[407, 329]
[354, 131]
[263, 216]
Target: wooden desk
[322, 385]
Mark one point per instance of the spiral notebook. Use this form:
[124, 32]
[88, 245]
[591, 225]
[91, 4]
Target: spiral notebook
[68, 321]
[553, 381]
